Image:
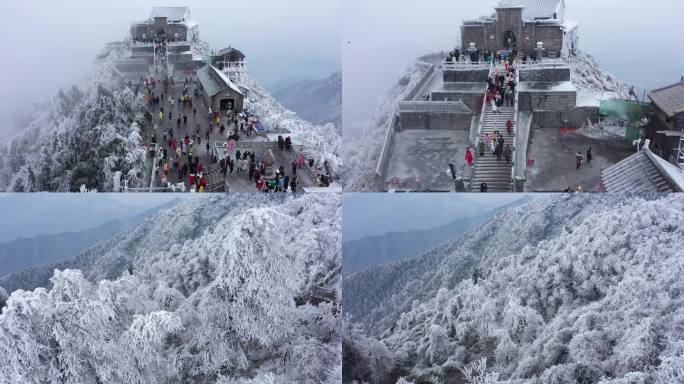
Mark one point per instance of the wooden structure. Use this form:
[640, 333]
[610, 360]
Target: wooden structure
[667, 123]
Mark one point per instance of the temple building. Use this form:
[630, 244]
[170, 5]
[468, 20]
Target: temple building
[170, 23]
[521, 25]
[220, 93]
[232, 62]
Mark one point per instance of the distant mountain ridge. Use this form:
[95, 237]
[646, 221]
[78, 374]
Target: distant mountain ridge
[49, 248]
[317, 101]
[390, 247]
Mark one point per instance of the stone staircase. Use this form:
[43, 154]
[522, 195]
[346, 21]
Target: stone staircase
[496, 174]
[215, 180]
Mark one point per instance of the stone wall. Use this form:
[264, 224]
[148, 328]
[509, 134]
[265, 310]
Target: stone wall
[551, 35]
[547, 101]
[573, 118]
[508, 19]
[473, 34]
[546, 74]
[472, 100]
[434, 121]
[527, 34]
[466, 76]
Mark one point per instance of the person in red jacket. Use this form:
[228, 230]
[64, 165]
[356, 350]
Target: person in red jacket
[191, 180]
[203, 182]
[469, 157]
[509, 127]
[261, 184]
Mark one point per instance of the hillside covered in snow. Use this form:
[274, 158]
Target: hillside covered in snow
[564, 289]
[86, 133]
[318, 101]
[81, 136]
[214, 290]
[593, 82]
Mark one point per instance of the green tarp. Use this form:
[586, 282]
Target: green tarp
[629, 111]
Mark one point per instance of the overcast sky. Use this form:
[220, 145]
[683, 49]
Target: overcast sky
[26, 215]
[369, 214]
[52, 43]
[638, 41]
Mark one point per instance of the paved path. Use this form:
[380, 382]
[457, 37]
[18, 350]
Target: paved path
[239, 181]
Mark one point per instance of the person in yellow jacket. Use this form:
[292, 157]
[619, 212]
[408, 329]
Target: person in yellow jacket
[161, 116]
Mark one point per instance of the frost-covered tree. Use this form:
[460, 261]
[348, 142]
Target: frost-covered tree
[203, 292]
[558, 300]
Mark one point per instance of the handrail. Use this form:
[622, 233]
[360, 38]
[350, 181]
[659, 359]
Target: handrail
[515, 124]
[383, 153]
[154, 167]
[476, 150]
[464, 65]
[484, 104]
[544, 63]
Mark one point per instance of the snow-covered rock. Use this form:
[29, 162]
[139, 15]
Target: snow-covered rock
[593, 82]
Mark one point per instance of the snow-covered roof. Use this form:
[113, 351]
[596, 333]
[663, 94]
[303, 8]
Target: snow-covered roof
[535, 9]
[173, 14]
[669, 99]
[643, 172]
[670, 171]
[569, 25]
[214, 81]
[229, 50]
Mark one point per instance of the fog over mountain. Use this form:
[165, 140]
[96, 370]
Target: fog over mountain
[43, 249]
[393, 246]
[318, 101]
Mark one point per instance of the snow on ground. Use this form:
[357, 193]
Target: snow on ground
[321, 142]
[593, 83]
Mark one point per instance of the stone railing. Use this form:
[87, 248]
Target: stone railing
[516, 121]
[421, 83]
[431, 106]
[464, 65]
[543, 64]
[386, 153]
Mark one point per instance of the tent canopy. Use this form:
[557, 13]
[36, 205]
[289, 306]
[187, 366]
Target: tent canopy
[627, 110]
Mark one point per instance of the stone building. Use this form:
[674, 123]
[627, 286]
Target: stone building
[220, 93]
[522, 24]
[172, 23]
[667, 123]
